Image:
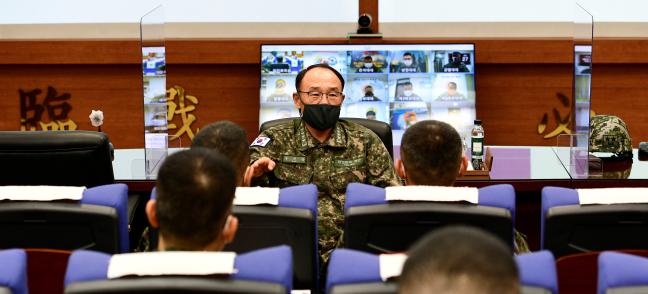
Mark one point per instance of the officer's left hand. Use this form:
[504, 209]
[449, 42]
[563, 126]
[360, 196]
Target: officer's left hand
[262, 166]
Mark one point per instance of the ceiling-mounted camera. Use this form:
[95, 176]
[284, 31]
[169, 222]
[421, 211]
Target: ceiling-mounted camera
[364, 24]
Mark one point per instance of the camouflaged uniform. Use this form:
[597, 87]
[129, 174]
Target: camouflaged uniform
[352, 154]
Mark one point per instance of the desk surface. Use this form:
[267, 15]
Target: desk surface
[510, 163]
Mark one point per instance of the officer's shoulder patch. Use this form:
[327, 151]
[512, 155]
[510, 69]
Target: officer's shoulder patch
[261, 141]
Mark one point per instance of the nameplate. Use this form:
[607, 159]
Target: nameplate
[348, 162]
[293, 159]
[189, 263]
[612, 195]
[41, 193]
[256, 196]
[391, 265]
[432, 193]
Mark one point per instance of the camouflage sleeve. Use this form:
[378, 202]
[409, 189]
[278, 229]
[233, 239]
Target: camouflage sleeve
[380, 165]
[262, 147]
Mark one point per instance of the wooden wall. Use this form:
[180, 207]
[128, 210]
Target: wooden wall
[517, 81]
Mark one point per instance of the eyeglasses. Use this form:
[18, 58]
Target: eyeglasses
[316, 96]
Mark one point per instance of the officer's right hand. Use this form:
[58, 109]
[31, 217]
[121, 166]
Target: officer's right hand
[262, 166]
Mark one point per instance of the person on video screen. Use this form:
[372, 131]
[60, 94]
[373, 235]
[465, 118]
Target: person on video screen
[276, 62]
[408, 64]
[455, 64]
[451, 93]
[410, 119]
[369, 94]
[280, 94]
[408, 93]
[368, 66]
[371, 114]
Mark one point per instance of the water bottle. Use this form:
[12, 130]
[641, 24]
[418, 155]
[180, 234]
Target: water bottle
[477, 145]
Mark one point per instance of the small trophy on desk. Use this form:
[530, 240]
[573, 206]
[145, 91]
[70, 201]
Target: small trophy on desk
[96, 119]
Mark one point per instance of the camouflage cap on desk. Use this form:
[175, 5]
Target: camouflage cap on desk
[609, 133]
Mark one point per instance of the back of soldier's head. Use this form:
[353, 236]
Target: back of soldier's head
[431, 152]
[229, 139]
[195, 191]
[459, 260]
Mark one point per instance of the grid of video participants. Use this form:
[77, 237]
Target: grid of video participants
[396, 84]
[582, 86]
[154, 89]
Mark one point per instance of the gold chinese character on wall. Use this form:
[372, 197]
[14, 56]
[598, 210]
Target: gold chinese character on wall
[181, 105]
[561, 122]
[56, 108]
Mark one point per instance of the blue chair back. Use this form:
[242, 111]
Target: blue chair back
[263, 271]
[374, 225]
[13, 271]
[99, 221]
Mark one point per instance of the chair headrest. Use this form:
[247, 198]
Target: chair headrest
[272, 264]
[300, 196]
[116, 196]
[538, 269]
[348, 266]
[13, 272]
[502, 196]
[558, 196]
[621, 270]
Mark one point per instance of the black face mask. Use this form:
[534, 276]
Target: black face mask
[321, 116]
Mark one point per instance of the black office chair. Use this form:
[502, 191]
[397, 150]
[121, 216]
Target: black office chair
[292, 222]
[381, 129]
[267, 270]
[570, 228]
[62, 226]
[62, 158]
[70, 158]
[173, 285]
[372, 224]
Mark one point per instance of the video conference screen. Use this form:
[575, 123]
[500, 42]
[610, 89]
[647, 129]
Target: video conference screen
[154, 88]
[396, 84]
[582, 86]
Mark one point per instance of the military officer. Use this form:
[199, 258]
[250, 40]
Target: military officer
[322, 149]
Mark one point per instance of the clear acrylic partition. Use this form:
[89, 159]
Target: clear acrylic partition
[156, 138]
[572, 149]
[583, 41]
